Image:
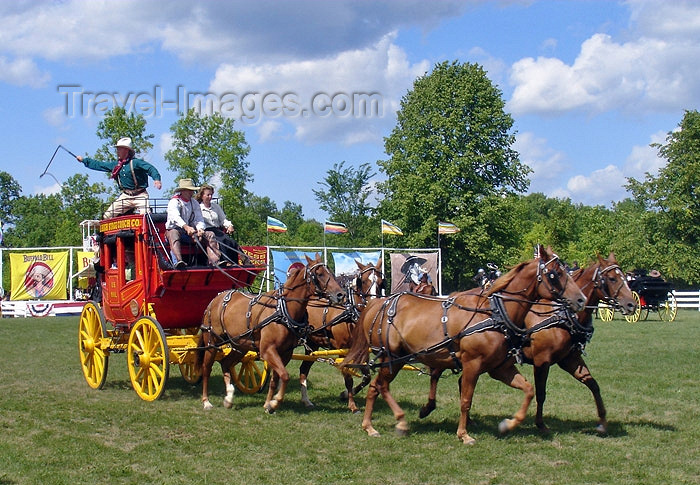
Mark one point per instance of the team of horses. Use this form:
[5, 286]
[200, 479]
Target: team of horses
[536, 313]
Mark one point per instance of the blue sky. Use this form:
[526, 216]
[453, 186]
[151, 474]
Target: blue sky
[590, 84]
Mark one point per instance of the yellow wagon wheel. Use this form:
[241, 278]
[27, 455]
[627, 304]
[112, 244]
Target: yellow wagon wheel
[93, 359]
[250, 374]
[634, 317]
[668, 309]
[605, 312]
[189, 371]
[148, 358]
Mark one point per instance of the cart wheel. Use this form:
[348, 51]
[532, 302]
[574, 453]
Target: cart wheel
[668, 309]
[634, 317]
[250, 374]
[605, 312]
[93, 359]
[644, 313]
[191, 373]
[148, 358]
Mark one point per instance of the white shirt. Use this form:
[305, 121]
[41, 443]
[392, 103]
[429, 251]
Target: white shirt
[214, 216]
[184, 213]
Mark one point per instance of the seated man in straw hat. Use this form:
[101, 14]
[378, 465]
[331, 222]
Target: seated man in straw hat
[131, 175]
[185, 218]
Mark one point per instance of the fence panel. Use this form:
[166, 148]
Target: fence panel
[688, 299]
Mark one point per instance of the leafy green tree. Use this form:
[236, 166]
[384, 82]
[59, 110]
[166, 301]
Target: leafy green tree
[450, 151]
[345, 198]
[116, 124]
[38, 220]
[207, 148]
[10, 190]
[673, 199]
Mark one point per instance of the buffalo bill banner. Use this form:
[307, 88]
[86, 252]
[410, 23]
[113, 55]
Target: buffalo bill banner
[39, 275]
[406, 267]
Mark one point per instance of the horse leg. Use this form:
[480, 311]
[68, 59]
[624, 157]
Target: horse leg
[574, 365]
[509, 374]
[274, 399]
[381, 386]
[226, 363]
[207, 363]
[303, 376]
[429, 407]
[541, 375]
[350, 393]
[470, 376]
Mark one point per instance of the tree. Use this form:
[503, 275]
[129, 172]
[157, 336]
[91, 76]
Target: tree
[116, 124]
[10, 191]
[207, 148]
[450, 151]
[38, 219]
[673, 199]
[345, 197]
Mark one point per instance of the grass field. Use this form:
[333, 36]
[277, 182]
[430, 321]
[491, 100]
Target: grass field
[56, 430]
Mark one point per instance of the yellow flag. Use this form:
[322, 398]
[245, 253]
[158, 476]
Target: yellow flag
[39, 275]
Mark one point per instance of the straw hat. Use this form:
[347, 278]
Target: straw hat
[186, 184]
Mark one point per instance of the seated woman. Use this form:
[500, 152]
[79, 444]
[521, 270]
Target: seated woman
[215, 221]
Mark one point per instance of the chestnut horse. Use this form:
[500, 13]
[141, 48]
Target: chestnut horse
[270, 323]
[467, 331]
[563, 336]
[559, 337]
[331, 324]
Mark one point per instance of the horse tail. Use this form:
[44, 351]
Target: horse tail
[359, 350]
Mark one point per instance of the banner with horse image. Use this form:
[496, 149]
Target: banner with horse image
[39, 275]
[407, 267]
[283, 260]
[345, 262]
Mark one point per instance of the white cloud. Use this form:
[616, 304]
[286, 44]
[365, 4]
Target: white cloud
[56, 117]
[546, 163]
[208, 32]
[370, 80]
[652, 71]
[22, 72]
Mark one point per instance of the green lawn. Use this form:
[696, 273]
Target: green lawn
[54, 429]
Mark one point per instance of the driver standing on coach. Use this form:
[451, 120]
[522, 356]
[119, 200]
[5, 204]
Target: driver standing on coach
[131, 175]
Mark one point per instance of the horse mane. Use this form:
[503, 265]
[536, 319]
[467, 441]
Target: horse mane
[505, 280]
[345, 280]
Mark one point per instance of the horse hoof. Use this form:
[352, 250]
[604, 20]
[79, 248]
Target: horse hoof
[343, 396]
[504, 426]
[601, 429]
[401, 432]
[228, 404]
[207, 405]
[427, 409]
[309, 405]
[373, 434]
[468, 440]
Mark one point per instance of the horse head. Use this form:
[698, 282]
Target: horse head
[610, 285]
[547, 279]
[370, 280]
[321, 281]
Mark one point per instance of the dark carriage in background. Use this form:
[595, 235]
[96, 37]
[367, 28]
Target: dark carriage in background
[652, 293]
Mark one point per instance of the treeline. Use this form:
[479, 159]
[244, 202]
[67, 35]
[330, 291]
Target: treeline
[449, 159]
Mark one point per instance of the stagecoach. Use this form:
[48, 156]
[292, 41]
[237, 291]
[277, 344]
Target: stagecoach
[652, 293]
[152, 312]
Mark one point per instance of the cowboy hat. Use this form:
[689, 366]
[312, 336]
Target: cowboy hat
[124, 142]
[654, 273]
[186, 184]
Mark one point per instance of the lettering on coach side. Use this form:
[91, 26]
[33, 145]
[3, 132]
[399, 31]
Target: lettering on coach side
[123, 224]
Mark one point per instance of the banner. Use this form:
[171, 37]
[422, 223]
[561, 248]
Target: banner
[345, 262]
[282, 260]
[411, 266]
[257, 254]
[39, 275]
[86, 269]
